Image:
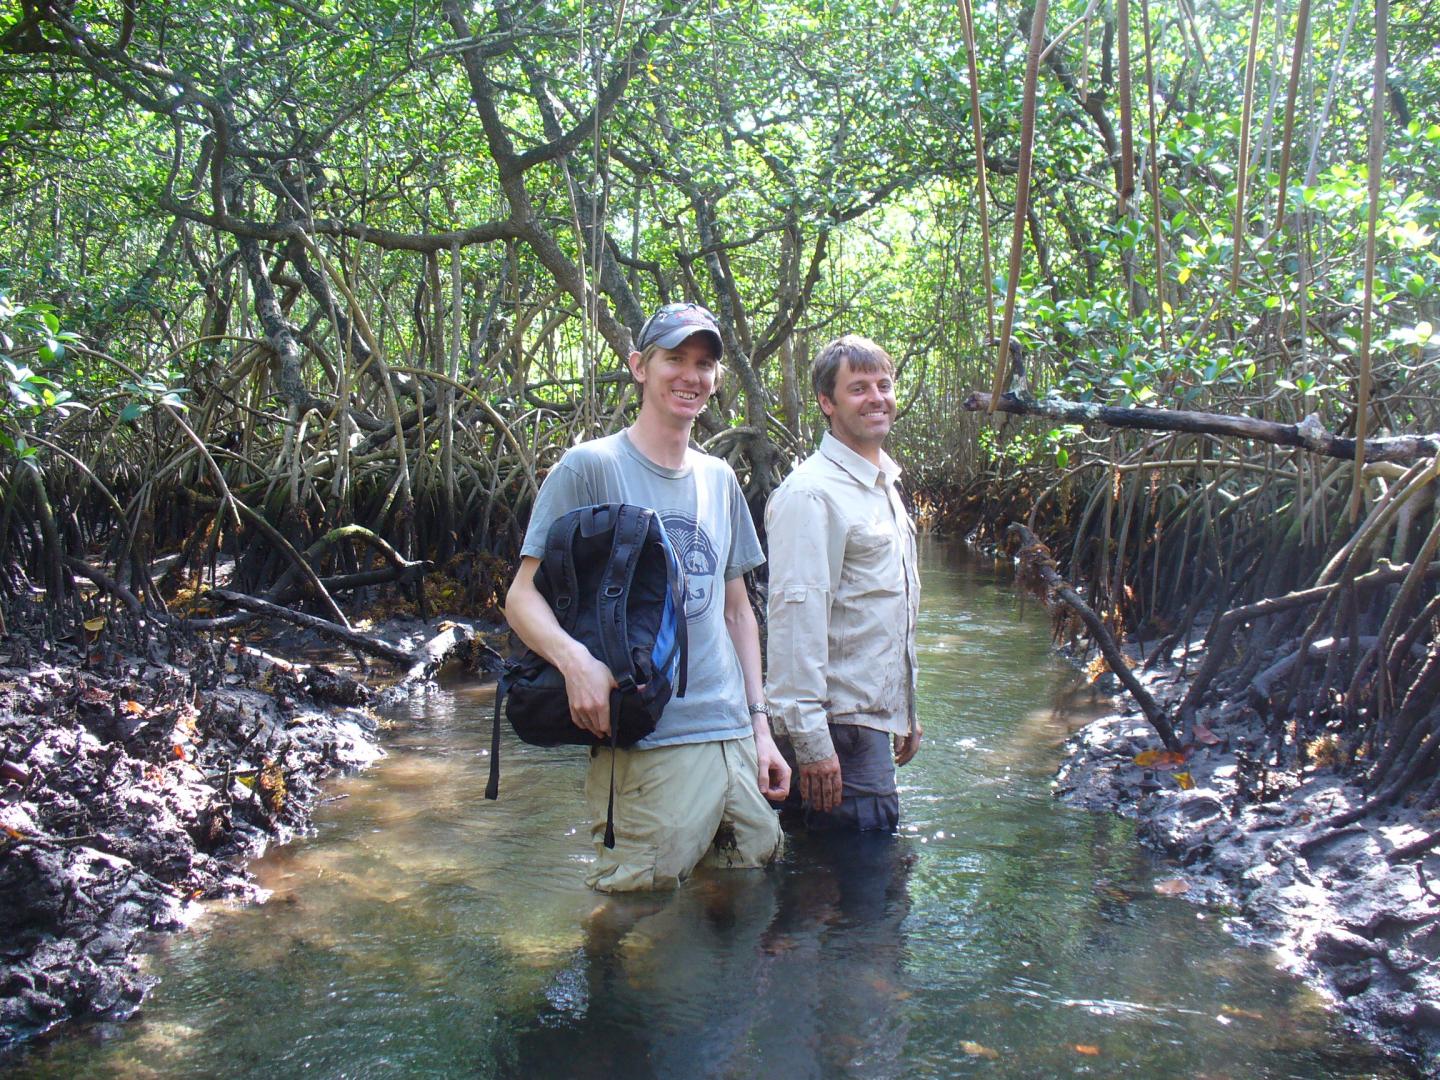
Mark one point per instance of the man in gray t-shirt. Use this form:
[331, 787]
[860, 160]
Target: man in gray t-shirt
[696, 788]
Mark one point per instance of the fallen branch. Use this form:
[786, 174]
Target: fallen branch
[363, 642]
[1306, 435]
[401, 569]
[1037, 571]
[410, 574]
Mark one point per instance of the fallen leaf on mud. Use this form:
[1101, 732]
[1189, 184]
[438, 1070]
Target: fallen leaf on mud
[179, 752]
[1087, 1049]
[14, 834]
[1204, 735]
[93, 695]
[248, 781]
[95, 625]
[1172, 887]
[975, 1049]
[1185, 780]
[1164, 759]
[134, 708]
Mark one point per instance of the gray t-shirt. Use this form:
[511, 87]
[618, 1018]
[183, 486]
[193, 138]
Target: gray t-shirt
[707, 520]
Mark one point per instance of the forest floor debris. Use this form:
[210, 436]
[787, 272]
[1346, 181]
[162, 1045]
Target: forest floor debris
[1363, 930]
[132, 787]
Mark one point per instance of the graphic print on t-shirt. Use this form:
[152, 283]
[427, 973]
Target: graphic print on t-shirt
[697, 556]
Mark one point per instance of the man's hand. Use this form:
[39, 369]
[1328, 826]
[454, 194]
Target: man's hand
[588, 683]
[820, 783]
[773, 773]
[907, 745]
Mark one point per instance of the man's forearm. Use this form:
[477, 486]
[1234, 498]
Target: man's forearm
[587, 681]
[535, 624]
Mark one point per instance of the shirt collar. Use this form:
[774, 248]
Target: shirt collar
[856, 465]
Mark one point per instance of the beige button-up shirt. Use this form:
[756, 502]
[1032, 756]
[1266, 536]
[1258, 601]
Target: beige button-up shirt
[844, 597]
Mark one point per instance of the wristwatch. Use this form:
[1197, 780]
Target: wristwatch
[759, 708]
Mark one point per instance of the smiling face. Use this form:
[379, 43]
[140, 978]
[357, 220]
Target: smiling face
[862, 407]
[677, 382]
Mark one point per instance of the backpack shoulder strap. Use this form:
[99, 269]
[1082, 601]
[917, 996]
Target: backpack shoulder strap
[676, 588]
[632, 526]
[559, 567]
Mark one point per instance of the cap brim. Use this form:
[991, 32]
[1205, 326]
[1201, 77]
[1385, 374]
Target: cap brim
[672, 338]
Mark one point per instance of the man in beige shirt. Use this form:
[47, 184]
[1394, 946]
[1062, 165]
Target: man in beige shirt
[844, 596]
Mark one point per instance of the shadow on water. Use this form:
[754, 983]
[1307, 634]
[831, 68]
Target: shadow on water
[425, 932]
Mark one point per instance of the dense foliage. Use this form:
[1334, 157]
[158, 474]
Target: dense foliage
[277, 268]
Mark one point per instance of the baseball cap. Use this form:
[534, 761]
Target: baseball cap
[673, 323]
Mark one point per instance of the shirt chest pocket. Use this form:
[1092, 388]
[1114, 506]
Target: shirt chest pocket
[872, 562]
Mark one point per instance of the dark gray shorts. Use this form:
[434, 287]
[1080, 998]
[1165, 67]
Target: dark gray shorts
[868, 800]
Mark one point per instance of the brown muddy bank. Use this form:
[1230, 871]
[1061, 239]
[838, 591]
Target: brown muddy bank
[133, 787]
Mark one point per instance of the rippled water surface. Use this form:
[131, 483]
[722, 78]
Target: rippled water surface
[425, 932]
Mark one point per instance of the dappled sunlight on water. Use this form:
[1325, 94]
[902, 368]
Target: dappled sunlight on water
[425, 931]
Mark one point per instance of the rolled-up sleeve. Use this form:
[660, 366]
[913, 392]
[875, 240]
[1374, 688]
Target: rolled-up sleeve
[807, 549]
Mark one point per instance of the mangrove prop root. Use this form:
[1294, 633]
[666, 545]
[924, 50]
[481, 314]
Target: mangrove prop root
[1388, 792]
[1414, 848]
[107, 584]
[1219, 639]
[1037, 572]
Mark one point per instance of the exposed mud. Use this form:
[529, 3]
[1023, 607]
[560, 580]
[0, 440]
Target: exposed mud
[1363, 930]
[132, 788]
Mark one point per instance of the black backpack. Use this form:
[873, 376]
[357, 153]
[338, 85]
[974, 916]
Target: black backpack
[614, 582]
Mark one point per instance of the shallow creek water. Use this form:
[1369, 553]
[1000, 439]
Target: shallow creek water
[422, 931]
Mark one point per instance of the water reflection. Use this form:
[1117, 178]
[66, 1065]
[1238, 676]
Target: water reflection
[800, 971]
[837, 989]
[426, 932]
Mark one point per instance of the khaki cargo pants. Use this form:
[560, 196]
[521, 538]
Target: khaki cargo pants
[676, 807]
